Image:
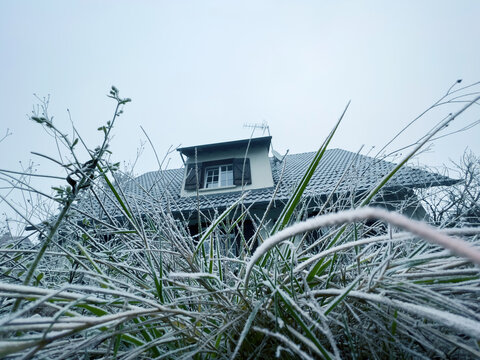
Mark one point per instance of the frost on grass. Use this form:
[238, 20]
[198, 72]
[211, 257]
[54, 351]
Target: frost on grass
[138, 285]
[198, 275]
[457, 246]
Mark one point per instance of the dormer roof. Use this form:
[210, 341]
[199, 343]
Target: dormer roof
[222, 146]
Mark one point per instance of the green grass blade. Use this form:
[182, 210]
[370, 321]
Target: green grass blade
[292, 203]
[217, 222]
[342, 296]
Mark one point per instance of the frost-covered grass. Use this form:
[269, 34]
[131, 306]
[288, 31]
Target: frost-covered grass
[361, 297]
[151, 290]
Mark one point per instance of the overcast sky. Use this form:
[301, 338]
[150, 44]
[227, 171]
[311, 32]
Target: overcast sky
[197, 71]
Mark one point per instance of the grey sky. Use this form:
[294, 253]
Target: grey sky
[198, 70]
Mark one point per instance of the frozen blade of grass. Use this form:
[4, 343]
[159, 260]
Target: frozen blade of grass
[380, 268]
[292, 203]
[290, 344]
[64, 311]
[456, 245]
[115, 193]
[298, 314]
[246, 328]
[44, 247]
[349, 245]
[219, 264]
[170, 354]
[31, 291]
[73, 323]
[12, 347]
[457, 322]
[440, 300]
[319, 266]
[89, 258]
[421, 144]
[474, 351]
[134, 354]
[217, 222]
[306, 341]
[29, 307]
[210, 255]
[342, 296]
[197, 275]
[208, 342]
[393, 328]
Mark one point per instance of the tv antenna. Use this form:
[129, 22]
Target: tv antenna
[263, 126]
[277, 157]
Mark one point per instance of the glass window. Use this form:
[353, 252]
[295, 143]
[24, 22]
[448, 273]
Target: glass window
[218, 176]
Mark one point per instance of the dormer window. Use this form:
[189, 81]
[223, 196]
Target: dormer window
[218, 176]
[226, 167]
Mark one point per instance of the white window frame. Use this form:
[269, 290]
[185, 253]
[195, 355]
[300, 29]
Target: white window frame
[221, 175]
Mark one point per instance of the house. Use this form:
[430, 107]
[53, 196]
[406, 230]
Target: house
[216, 175]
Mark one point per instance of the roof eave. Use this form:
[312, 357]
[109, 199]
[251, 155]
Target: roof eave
[190, 150]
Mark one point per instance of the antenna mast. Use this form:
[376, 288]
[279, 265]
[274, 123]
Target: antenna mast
[263, 126]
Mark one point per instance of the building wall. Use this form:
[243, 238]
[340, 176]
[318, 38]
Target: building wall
[260, 169]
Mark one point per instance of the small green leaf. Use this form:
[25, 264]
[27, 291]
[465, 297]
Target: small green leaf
[393, 329]
[39, 277]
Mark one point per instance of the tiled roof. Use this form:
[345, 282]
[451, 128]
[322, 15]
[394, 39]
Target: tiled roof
[338, 170]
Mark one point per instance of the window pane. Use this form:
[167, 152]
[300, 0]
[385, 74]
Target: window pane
[218, 176]
[226, 172]
[211, 177]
